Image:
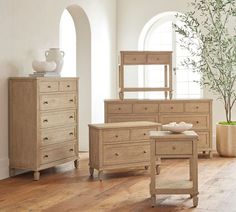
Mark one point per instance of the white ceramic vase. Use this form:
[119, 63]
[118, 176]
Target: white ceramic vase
[56, 55]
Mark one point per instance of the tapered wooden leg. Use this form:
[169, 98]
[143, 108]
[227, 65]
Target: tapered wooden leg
[91, 171]
[210, 154]
[12, 172]
[195, 201]
[153, 200]
[76, 163]
[100, 174]
[36, 175]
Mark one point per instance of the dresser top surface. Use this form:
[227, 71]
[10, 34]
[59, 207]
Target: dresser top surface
[155, 100]
[43, 78]
[125, 125]
[169, 135]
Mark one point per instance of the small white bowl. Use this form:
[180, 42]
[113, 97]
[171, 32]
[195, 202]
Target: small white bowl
[177, 128]
[43, 66]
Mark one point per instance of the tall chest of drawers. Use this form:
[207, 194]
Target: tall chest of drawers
[195, 111]
[43, 122]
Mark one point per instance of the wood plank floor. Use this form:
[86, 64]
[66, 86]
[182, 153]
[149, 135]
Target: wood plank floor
[65, 189]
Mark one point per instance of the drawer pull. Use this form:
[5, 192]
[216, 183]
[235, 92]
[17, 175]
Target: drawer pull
[134, 58]
[145, 108]
[144, 134]
[157, 58]
[174, 148]
[45, 138]
[197, 107]
[45, 103]
[71, 133]
[71, 117]
[68, 86]
[117, 154]
[71, 150]
[45, 156]
[45, 120]
[171, 108]
[116, 136]
[197, 122]
[144, 151]
[49, 86]
[119, 108]
[71, 100]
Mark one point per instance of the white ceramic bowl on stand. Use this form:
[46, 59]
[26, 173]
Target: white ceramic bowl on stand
[43, 66]
[177, 128]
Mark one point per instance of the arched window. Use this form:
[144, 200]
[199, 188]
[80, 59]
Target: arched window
[68, 44]
[159, 35]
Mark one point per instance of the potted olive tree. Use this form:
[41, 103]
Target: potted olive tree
[208, 32]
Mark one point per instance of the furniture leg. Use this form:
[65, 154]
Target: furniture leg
[195, 201]
[12, 172]
[76, 163]
[91, 171]
[100, 174]
[210, 154]
[153, 200]
[36, 175]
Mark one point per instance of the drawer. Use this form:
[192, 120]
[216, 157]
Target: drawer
[112, 119]
[119, 108]
[48, 137]
[48, 156]
[125, 154]
[203, 140]
[171, 108]
[134, 59]
[48, 86]
[201, 107]
[57, 101]
[141, 134]
[145, 108]
[115, 135]
[198, 121]
[158, 59]
[70, 85]
[57, 118]
[174, 147]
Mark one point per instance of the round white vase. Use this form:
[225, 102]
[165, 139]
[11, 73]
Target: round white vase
[56, 55]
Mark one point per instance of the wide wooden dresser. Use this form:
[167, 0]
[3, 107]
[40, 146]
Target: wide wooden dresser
[119, 145]
[43, 122]
[195, 111]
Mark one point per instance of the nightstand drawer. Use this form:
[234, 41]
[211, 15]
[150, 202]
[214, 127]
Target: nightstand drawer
[172, 148]
[52, 155]
[141, 134]
[67, 85]
[134, 58]
[48, 86]
[57, 101]
[158, 59]
[203, 140]
[115, 135]
[119, 108]
[57, 118]
[171, 108]
[145, 108]
[123, 154]
[58, 136]
[200, 107]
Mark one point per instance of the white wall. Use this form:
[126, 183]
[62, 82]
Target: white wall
[133, 15]
[28, 28]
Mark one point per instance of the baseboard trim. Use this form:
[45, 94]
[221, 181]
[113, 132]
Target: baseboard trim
[4, 168]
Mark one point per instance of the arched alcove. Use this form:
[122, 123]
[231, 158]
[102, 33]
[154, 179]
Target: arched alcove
[83, 71]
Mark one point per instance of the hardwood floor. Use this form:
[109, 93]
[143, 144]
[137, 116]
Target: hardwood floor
[66, 189]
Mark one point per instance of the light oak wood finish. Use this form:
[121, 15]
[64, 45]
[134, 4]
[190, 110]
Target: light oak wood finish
[166, 144]
[128, 58]
[63, 188]
[119, 145]
[43, 122]
[195, 111]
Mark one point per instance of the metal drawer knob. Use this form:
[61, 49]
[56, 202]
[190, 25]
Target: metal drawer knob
[45, 120]
[45, 102]
[174, 148]
[49, 86]
[71, 117]
[68, 86]
[157, 58]
[71, 100]
[197, 122]
[135, 58]
[119, 108]
[145, 108]
[144, 134]
[116, 136]
[45, 156]
[117, 154]
[71, 133]
[71, 150]
[144, 151]
[45, 138]
[197, 107]
[171, 108]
